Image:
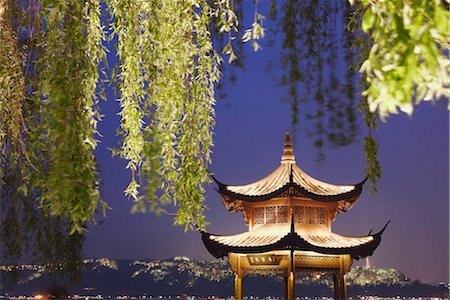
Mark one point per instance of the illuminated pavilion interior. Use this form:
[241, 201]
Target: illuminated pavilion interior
[289, 216]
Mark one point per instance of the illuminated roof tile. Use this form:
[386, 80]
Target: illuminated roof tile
[320, 241]
[281, 176]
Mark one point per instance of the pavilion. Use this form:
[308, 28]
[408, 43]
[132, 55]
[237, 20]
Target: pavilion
[289, 216]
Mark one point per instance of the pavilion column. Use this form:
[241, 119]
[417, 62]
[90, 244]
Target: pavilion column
[343, 286]
[286, 286]
[290, 286]
[336, 285]
[340, 291]
[237, 287]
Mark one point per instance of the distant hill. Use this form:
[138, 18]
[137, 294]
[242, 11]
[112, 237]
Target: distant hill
[181, 275]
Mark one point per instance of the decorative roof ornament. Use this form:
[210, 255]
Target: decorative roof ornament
[288, 156]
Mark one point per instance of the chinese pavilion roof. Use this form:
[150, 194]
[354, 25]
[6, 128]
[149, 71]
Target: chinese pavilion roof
[289, 180]
[317, 240]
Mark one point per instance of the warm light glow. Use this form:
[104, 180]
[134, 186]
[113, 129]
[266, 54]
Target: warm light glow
[281, 176]
[316, 235]
[296, 253]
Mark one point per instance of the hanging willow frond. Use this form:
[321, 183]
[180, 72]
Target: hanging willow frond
[363, 44]
[196, 141]
[127, 27]
[184, 114]
[68, 82]
[12, 85]
[27, 233]
[315, 48]
[168, 73]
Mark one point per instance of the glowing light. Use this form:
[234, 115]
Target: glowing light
[281, 176]
[316, 235]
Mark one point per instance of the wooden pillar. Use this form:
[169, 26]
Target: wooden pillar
[290, 280]
[286, 286]
[290, 286]
[336, 285]
[340, 290]
[237, 287]
[343, 286]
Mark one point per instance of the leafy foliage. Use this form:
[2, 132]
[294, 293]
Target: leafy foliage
[26, 230]
[12, 84]
[167, 78]
[315, 41]
[362, 41]
[257, 30]
[27, 233]
[68, 80]
[316, 47]
[408, 61]
[51, 51]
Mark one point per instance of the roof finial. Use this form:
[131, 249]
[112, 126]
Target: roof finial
[288, 152]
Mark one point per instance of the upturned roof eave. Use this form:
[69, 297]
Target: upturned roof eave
[289, 241]
[350, 196]
[295, 242]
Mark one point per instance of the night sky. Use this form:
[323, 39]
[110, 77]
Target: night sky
[251, 121]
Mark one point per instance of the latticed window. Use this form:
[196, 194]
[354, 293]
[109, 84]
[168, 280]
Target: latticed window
[282, 214]
[309, 215]
[298, 214]
[259, 215]
[271, 214]
[320, 213]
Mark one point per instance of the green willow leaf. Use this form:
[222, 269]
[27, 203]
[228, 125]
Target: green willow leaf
[69, 75]
[167, 77]
[408, 62]
[51, 53]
